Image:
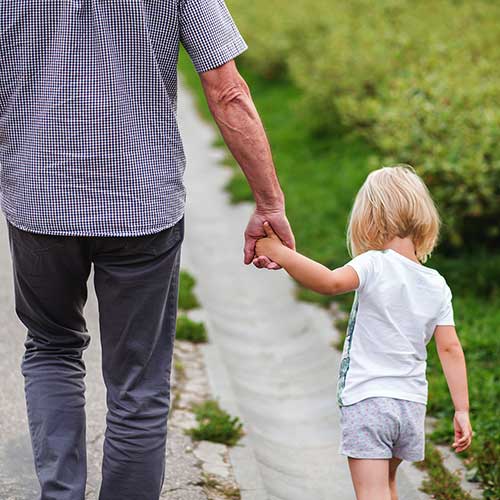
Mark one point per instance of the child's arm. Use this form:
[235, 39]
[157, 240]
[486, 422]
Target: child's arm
[307, 272]
[452, 360]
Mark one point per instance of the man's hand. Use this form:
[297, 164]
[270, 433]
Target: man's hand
[255, 231]
[270, 246]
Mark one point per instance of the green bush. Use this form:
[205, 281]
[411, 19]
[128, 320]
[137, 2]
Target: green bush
[190, 330]
[276, 30]
[216, 425]
[187, 298]
[419, 80]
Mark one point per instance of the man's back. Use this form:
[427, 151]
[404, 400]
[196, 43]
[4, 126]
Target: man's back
[90, 144]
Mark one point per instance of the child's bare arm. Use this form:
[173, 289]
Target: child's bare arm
[307, 272]
[452, 360]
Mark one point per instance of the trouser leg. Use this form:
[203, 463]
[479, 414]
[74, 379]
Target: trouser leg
[137, 289]
[50, 275]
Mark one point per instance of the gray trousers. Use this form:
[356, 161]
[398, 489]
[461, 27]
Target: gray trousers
[136, 283]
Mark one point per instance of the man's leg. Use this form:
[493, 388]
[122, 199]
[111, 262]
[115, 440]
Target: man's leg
[137, 289]
[50, 286]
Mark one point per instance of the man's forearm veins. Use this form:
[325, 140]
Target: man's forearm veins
[244, 134]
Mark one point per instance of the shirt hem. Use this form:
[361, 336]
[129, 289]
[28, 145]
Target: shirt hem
[91, 232]
[383, 394]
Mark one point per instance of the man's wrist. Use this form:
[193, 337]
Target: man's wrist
[271, 205]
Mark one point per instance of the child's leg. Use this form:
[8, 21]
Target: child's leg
[370, 478]
[393, 466]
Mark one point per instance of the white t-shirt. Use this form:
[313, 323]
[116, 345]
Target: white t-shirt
[396, 308]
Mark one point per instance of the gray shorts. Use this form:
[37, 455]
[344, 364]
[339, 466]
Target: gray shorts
[383, 428]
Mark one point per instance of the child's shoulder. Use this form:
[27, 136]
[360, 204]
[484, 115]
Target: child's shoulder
[366, 265]
[392, 265]
[368, 255]
[369, 260]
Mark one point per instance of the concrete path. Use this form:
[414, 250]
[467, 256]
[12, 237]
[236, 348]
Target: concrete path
[281, 370]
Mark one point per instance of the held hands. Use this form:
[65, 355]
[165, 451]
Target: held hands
[270, 246]
[255, 231]
[463, 431]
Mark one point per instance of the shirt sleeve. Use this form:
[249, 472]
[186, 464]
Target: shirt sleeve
[445, 316]
[209, 34]
[364, 265]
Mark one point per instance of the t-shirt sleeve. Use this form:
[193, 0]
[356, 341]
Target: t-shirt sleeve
[364, 265]
[208, 33]
[445, 316]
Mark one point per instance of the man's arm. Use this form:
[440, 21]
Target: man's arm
[232, 107]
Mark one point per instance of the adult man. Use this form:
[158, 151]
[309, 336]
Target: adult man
[92, 166]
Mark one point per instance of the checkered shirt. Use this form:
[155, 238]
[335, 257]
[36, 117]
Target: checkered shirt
[89, 143]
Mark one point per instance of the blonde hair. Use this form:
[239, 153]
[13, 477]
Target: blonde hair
[393, 202]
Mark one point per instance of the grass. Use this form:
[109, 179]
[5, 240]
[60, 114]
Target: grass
[180, 369]
[320, 175]
[187, 298]
[190, 330]
[221, 489]
[215, 425]
[187, 329]
[441, 483]
[180, 373]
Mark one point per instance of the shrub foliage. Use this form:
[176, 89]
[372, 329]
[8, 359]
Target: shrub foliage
[191, 331]
[420, 80]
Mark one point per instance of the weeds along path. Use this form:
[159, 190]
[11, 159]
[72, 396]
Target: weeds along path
[276, 351]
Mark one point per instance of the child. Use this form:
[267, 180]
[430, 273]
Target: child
[399, 305]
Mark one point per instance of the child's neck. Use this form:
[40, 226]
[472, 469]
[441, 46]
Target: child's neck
[403, 246]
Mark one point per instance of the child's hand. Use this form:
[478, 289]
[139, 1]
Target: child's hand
[463, 431]
[271, 246]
